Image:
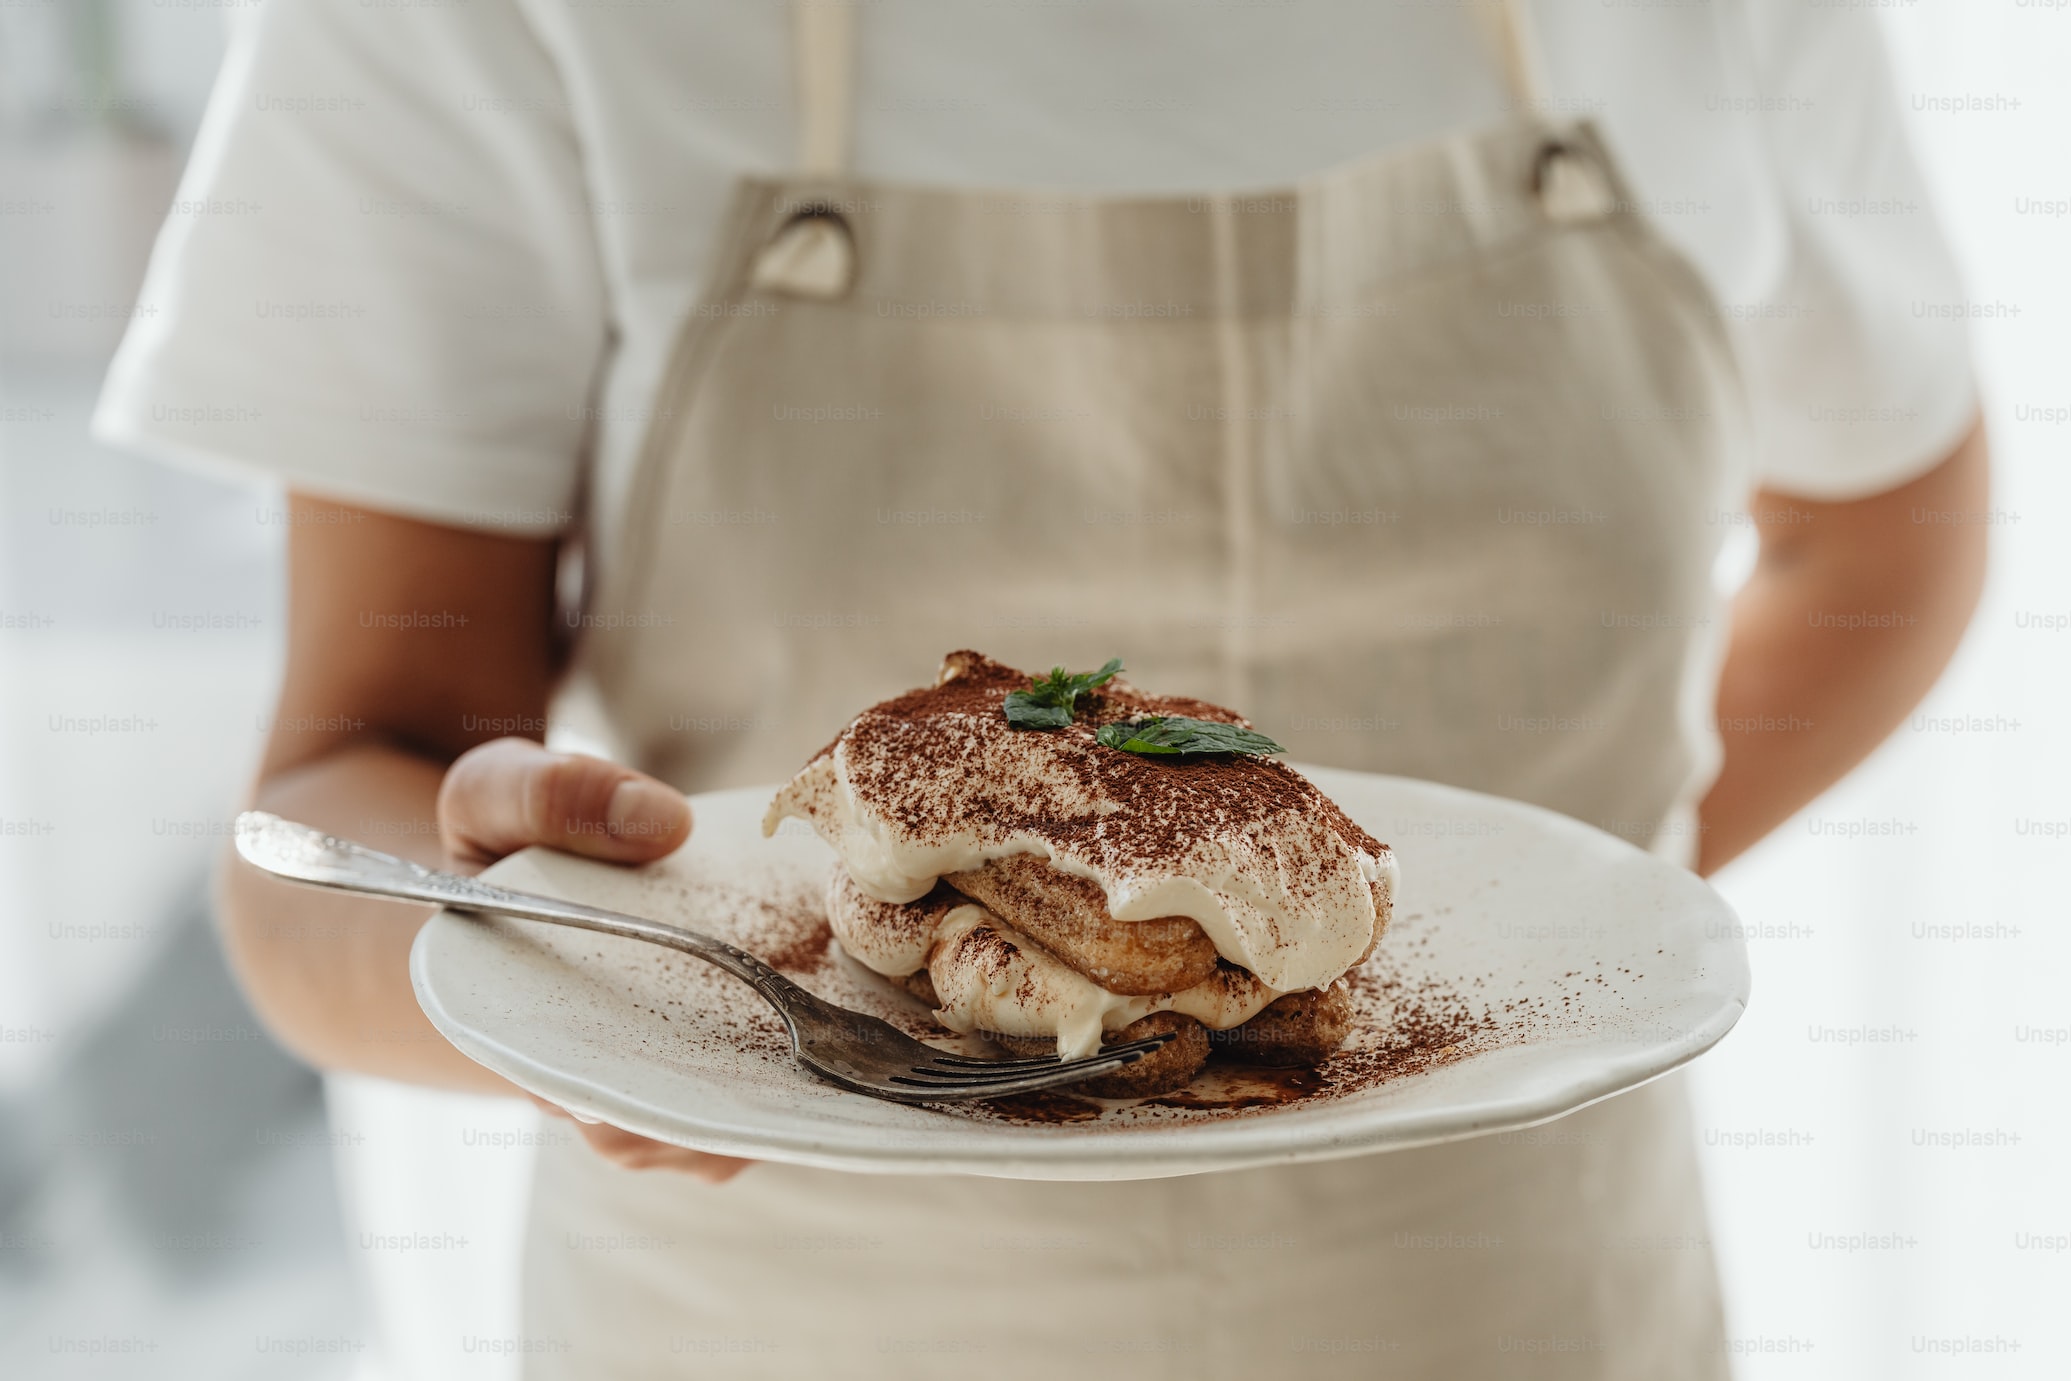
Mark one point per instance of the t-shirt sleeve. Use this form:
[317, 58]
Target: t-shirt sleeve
[379, 282]
[1858, 359]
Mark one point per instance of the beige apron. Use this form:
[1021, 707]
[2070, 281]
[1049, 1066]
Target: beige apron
[1413, 461]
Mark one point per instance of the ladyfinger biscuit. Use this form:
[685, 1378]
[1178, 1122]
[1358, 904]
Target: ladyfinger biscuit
[919, 985]
[1298, 1029]
[1169, 1067]
[1068, 916]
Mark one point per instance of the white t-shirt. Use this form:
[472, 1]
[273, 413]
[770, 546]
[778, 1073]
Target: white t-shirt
[429, 255]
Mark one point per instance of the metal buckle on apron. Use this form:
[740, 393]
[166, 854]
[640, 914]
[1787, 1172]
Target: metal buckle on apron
[812, 254]
[1570, 184]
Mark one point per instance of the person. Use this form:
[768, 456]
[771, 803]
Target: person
[1407, 377]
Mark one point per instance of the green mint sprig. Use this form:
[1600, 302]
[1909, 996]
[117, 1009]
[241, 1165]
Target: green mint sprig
[1050, 701]
[1179, 734]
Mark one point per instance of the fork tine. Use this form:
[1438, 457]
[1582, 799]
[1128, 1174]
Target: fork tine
[1025, 1083]
[1113, 1057]
[1004, 1069]
[960, 1063]
[973, 1062]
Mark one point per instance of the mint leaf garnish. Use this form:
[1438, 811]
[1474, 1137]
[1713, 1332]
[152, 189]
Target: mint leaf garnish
[1051, 700]
[1026, 711]
[1181, 735]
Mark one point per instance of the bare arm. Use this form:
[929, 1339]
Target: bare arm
[419, 663]
[1852, 613]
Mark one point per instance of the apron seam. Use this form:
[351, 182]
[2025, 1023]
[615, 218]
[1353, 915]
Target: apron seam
[692, 347]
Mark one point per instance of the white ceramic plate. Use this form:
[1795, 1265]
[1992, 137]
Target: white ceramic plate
[1535, 965]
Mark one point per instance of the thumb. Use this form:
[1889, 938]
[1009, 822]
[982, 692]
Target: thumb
[511, 793]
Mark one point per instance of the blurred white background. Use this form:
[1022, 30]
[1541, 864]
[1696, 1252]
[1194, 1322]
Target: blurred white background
[1885, 1135]
[1921, 900]
[166, 1188]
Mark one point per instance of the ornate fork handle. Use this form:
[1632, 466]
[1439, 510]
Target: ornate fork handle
[856, 1051]
[470, 895]
[282, 847]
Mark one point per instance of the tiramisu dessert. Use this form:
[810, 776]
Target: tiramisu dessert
[1066, 861]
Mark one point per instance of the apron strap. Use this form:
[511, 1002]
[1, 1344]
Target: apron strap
[824, 44]
[1506, 28]
[812, 252]
[823, 54]
[1571, 186]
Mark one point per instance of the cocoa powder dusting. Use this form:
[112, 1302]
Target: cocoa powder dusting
[1412, 1014]
[938, 738]
[942, 773]
[1407, 1020]
[919, 756]
[931, 761]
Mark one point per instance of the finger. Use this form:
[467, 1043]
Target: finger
[511, 793]
[630, 1151]
[556, 1110]
[720, 1169]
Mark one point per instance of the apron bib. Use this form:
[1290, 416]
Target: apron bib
[1410, 462]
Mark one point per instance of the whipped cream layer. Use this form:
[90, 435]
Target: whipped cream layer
[937, 781]
[890, 938]
[989, 976]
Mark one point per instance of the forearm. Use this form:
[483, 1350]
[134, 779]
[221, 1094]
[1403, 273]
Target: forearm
[1851, 615]
[329, 972]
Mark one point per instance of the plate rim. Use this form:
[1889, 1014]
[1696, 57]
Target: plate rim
[1171, 1150]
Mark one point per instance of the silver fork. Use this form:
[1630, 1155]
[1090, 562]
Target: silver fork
[848, 1048]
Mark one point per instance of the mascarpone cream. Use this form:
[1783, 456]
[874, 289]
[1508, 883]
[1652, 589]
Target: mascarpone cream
[937, 781]
[990, 977]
